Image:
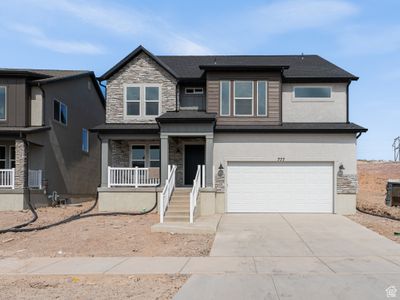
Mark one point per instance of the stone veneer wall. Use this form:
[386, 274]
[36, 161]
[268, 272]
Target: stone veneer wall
[142, 69]
[176, 150]
[346, 184]
[120, 154]
[21, 164]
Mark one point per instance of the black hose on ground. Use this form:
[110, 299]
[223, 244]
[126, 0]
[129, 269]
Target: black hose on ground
[81, 215]
[377, 215]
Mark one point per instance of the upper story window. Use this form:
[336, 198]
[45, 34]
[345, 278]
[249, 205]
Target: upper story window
[312, 92]
[85, 140]
[225, 98]
[194, 91]
[243, 98]
[60, 111]
[3, 103]
[142, 100]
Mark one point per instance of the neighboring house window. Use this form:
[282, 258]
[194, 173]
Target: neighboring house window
[12, 157]
[85, 140]
[225, 98]
[142, 100]
[3, 103]
[194, 91]
[152, 100]
[2, 157]
[312, 92]
[138, 156]
[133, 101]
[154, 156]
[243, 102]
[60, 112]
[262, 98]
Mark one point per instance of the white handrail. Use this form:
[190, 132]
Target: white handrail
[130, 177]
[7, 178]
[195, 192]
[35, 179]
[167, 192]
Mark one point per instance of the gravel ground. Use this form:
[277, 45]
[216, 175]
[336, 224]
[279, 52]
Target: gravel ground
[91, 287]
[96, 236]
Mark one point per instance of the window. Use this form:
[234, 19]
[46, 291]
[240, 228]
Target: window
[312, 92]
[3, 103]
[152, 97]
[154, 156]
[85, 140]
[194, 90]
[262, 98]
[243, 98]
[225, 98]
[12, 157]
[2, 157]
[60, 111]
[133, 101]
[142, 99]
[138, 156]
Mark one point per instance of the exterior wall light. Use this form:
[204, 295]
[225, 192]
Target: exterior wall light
[220, 170]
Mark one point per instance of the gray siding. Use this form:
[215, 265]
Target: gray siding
[68, 169]
[274, 97]
[17, 108]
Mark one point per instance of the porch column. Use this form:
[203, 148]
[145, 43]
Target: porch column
[209, 160]
[164, 158]
[104, 162]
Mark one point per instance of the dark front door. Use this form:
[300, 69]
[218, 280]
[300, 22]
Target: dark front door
[194, 156]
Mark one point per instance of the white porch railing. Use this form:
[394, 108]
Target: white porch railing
[35, 179]
[194, 194]
[130, 177]
[167, 192]
[7, 178]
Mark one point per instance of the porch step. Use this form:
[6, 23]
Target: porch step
[177, 214]
[168, 218]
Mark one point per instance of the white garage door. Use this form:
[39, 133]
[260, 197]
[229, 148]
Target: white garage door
[280, 187]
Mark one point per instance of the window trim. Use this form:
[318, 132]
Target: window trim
[243, 98]
[149, 158]
[311, 99]
[229, 98]
[87, 141]
[194, 90]
[9, 156]
[5, 103]
[266, 98]
[59, 113]
[142, 100]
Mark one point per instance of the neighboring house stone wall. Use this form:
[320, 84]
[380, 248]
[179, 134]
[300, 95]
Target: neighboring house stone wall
[21, 164]
[346, 183]
[176, 154]
[120, 154]
[142, 69]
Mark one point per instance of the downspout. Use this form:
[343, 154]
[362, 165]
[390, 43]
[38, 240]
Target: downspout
[358, 135]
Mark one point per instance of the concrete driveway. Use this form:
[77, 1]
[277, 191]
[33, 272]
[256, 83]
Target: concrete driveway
[297, 256]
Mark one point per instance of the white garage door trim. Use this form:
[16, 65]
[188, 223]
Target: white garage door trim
[292, 187]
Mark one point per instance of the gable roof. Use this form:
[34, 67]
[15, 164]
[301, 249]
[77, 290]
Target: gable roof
[43, 76]
[131, 56]
[192, 67]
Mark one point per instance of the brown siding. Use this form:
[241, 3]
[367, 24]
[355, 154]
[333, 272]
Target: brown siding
[274, 97]
[16, 102]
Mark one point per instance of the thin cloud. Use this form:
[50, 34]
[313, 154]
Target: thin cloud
[290, 15]
[37, 37]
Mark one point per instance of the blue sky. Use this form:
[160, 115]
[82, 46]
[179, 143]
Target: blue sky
[361, 36]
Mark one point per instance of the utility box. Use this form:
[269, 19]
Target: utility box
[393, 192]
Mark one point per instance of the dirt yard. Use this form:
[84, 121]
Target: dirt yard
[96, 236]
[90, 287]
[372, 178]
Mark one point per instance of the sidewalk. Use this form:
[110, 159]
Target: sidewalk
[200, 265]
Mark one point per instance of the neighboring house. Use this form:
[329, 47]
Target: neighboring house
[45, 144]
[272, 134]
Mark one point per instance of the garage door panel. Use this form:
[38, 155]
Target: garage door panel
[292, 187]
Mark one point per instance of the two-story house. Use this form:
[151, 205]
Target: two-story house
[216, 134]
[45, 143]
